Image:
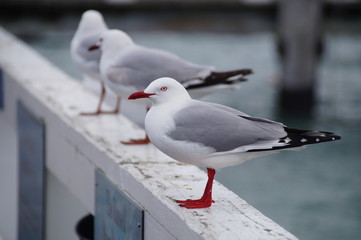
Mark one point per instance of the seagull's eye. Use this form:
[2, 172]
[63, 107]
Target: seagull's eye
[164, 88]
[101, 40]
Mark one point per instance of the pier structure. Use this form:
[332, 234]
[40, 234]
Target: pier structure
[68, 166]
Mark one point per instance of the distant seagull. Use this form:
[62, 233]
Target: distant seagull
[212, 135]
[91, 26]
[127, 67]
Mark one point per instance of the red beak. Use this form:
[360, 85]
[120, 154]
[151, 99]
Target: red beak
[140, 94]
[93, 47]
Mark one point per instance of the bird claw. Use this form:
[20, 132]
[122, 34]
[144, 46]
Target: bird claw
[185, 201]
[90, 113]
[110, 112]
[192, 204]
[98, 112]
[136, 141]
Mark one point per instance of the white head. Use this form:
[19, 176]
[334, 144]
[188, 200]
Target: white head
[113, 40]
[163, 90]
[91, 21]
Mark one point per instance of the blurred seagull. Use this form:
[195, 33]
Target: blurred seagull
[127, 67]
[212, 135]
[91, 26]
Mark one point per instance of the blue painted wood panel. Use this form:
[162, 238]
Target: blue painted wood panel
[31, 175]
[116, 216]
[2, 96]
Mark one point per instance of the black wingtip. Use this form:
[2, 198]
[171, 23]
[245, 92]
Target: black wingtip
[246, 71]
[229, 74]
[298, 138]
[229, 77]
[305, 137]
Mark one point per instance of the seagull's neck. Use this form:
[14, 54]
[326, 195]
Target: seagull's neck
[160, 118]
[170, 107]
[109, 55]
[173, 101]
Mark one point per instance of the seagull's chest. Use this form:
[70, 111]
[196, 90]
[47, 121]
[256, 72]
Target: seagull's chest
[158, 126]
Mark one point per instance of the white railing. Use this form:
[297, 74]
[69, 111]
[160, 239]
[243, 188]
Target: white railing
[76, 146]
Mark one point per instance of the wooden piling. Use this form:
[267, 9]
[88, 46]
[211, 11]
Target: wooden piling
[300, 45]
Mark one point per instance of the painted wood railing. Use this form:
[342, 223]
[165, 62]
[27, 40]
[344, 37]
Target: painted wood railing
[81, 153]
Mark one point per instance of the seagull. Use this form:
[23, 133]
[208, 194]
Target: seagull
[91, 26]
[127, 67]
[211, 135]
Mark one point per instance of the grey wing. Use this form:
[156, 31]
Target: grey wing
[152, 64]
[129, 77]
[228, 109]
[222, 130]
[262, 122]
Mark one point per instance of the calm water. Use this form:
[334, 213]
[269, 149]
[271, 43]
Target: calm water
[314, 193]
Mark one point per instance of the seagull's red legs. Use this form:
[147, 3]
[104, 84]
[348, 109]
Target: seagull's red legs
[206, 200]
[116, 109]
[146, 140]
[101, 99]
